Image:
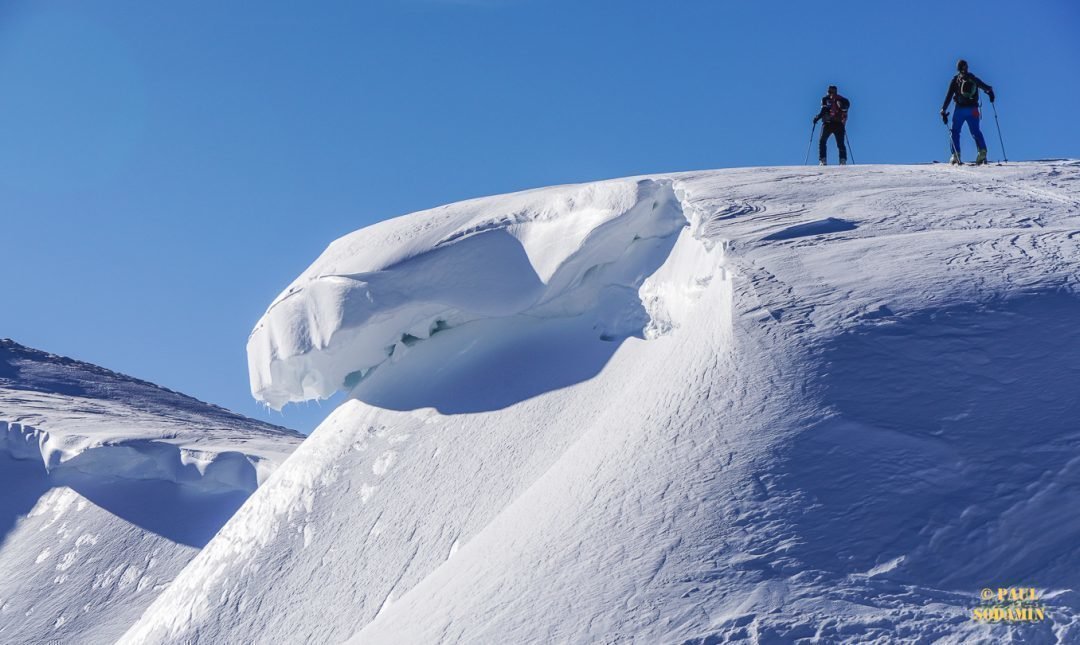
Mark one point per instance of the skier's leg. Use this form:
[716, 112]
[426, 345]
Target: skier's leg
[823, 141]
[841, 144]
[957, 124]
[976, 132]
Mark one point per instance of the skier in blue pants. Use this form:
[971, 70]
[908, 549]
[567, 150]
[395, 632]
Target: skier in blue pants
[964, 88]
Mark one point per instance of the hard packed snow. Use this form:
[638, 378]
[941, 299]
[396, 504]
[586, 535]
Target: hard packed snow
[111, 485]
[773, 405]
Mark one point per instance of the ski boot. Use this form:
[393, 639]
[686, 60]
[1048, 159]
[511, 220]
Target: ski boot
[822, 162]
[981, 159]
[843, 161]
[955, 159]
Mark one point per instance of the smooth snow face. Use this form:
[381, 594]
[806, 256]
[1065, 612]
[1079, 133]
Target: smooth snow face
[83, 557]
[557, 253]
[110, 486]
[843, 415]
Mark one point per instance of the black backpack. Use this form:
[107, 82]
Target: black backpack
[966, 86]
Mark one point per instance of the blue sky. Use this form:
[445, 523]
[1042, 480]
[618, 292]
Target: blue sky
[167, 168]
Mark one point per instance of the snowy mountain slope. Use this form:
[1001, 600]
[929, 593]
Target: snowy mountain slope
[770, 404]
[111, 486]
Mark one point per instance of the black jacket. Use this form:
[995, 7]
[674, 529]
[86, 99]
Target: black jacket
[826, 109]
[961, 100]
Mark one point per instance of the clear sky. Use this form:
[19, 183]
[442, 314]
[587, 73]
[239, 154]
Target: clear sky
[167, 168]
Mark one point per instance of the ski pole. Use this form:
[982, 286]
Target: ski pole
[948, 133]
[813, 129]
[851, 153]
[997, 124]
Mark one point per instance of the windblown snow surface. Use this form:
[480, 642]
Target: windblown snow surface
[110, 486]
[774, 404]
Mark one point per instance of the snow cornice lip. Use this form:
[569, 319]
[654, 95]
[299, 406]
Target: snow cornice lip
[380, 289]
[68, 456]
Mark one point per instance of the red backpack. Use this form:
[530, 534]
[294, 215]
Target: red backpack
[836, 113]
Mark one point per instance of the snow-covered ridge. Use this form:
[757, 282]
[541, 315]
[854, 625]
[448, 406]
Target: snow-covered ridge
[65, 455]
[78, 418]
[110, 485]
[555, 253]
[849, 409]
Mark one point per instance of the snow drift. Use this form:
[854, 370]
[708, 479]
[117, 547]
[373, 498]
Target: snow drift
[111, 485]
[771, 404]
[540, 254]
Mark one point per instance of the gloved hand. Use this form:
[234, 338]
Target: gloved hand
[816, 119]
[990, 93]
[945, 117]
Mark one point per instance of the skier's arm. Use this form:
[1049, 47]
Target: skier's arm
[821, 112]
[949, 96]
[984, 87]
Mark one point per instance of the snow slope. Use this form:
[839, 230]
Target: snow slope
[771, 404]
[111, 485]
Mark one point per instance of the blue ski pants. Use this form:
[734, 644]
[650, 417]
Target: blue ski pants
[971, 116]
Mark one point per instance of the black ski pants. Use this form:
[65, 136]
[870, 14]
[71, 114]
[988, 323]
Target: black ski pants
[837, 130]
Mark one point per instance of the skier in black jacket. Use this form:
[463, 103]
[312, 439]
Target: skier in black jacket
[964, 88]
[834, 109]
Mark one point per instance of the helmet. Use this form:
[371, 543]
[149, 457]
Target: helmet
[831, 90]
[961, 65]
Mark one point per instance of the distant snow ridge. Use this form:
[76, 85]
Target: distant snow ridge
[541, 254]
[832, 408]
[89, 419]
[110, 485]
[210, 470]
